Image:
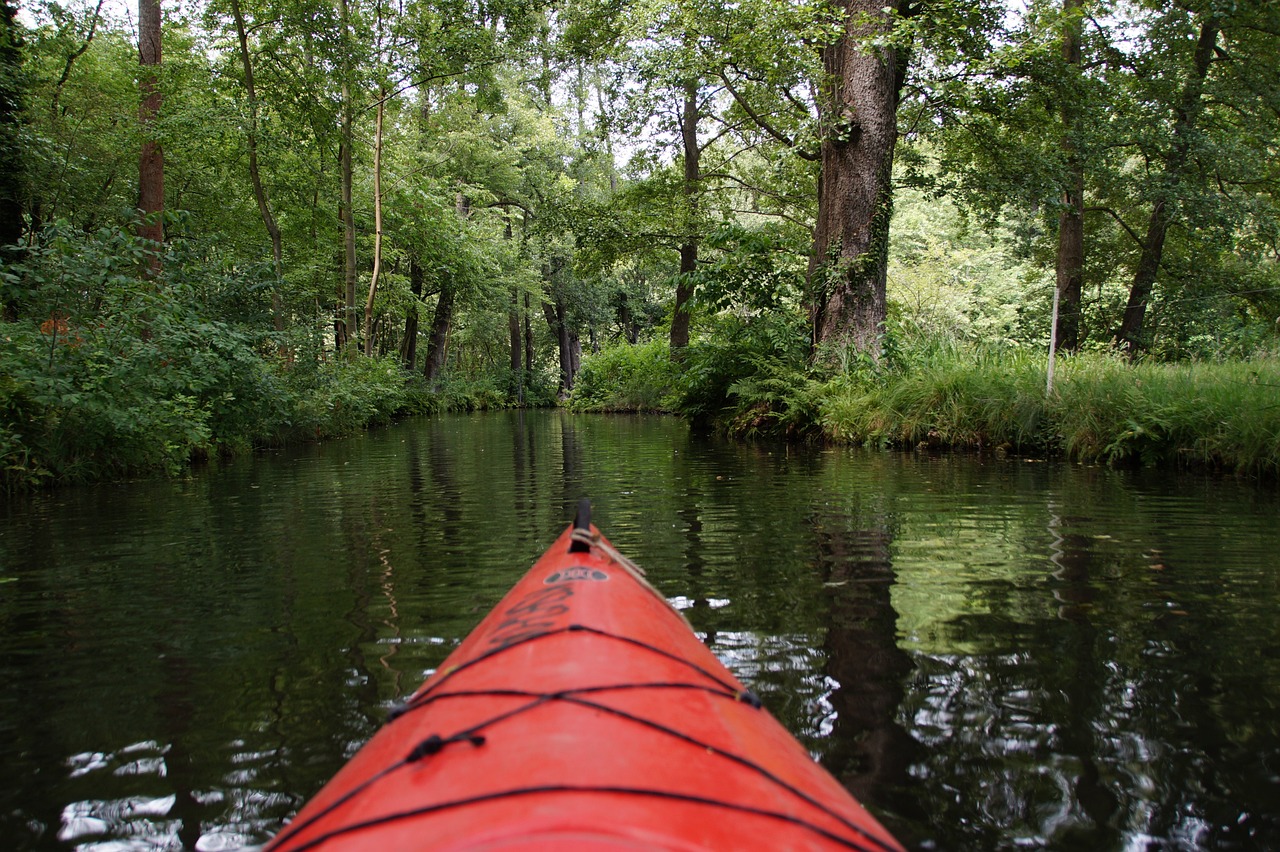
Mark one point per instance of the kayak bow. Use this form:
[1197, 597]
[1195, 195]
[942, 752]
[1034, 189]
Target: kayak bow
[582, 713]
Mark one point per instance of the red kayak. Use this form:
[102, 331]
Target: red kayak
[583, 713]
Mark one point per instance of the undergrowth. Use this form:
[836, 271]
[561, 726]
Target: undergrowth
[105, 373]
[939, 393]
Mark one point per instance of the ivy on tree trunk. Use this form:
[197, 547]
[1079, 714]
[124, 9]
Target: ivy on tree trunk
[847, 269]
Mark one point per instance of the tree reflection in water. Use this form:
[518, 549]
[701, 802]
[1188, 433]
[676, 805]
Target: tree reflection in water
[870, 752]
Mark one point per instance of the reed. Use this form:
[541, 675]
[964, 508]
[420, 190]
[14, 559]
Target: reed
[945, 396]
[1220, 415]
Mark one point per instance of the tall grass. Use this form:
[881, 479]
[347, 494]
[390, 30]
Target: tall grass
[1223, 415]
[1103, 409]
[941, 393]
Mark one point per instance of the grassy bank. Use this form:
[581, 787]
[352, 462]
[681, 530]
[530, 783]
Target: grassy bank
[1224, 416]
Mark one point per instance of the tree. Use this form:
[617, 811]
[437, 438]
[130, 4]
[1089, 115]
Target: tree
[866, 70]
[1069, 263]
[1176, 160]
[347, 324]
[12, 97]
[255, 173]
[1125, 139]
[689, 115]
[151, 159]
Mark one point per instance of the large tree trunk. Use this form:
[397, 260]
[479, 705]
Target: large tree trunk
[255, 173]
[438, 339]
[151, 160]
[848, 267]
[689, 249]
[1070, 258]
[1129, 337]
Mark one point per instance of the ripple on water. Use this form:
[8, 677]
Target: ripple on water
[994, 654]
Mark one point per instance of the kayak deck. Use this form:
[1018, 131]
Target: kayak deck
[582, 713]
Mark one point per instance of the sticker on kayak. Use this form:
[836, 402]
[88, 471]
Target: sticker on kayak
[538, 612]
[575, 573]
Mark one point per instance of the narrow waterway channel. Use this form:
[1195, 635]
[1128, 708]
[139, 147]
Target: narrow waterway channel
[989, 653]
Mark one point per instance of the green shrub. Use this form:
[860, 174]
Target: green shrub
[745, 373]
[626, 377]
[108, 374]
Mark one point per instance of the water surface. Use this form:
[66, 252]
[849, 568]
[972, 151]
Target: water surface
[989, 653]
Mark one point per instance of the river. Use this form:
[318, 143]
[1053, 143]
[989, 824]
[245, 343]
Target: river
[990, 653]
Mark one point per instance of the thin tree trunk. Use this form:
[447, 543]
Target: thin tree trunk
[513, 320]
[255, 174]
[72, 56]
[1070, 258]
[625, 319]
[556, 320]
[348, 213]
[442, 321]
[151, 161]
[528, 338]
[679, 338]
[607, 139]
[409, 346]
[377, 225]
[513, 331]
[513, 334]
[11, 149]
[1130, 336]
[848, 267]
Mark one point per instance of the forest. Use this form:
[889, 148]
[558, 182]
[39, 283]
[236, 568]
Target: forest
[1047, 227]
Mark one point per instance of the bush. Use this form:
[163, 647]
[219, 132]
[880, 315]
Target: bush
[106, 373]
[627, 377]
[336, 397]
[747, 374]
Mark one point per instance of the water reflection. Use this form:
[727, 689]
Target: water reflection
[871, 751]
[990, 655]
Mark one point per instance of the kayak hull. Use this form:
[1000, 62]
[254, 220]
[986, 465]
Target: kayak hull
[582, 713]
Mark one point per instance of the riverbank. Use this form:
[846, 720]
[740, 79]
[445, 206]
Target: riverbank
[89, 404]
[1221, 416]
[80, 405]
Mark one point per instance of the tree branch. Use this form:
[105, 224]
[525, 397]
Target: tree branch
[1114, 215]
[763, 123]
